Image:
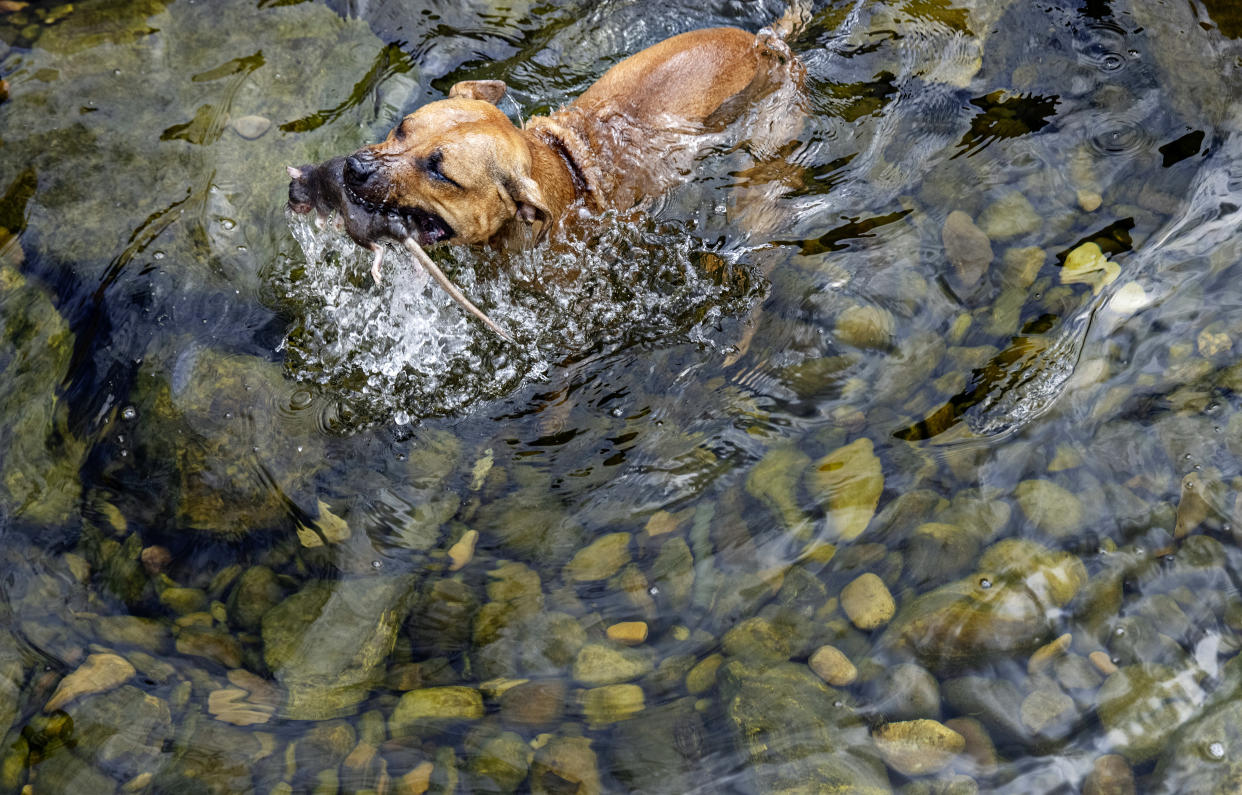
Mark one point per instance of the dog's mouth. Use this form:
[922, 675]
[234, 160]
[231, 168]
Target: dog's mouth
[426, 226]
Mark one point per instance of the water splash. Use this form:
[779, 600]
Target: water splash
[403, 350]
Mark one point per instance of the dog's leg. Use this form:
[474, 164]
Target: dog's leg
[378, 250]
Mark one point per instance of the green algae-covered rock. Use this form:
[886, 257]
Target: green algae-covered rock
[498, 762]
[565, 764]
[798, 734]
[1204, 756]
[610, 704]
[1143, 706]
[849, 482]
[973, 619]
[774, 481]
[605, 664]
[430, 709]
[257, 591]
[211, 414]
[531, 527]
[1009, 216]
[662, 749]
[326, 644]
[39, 467]
[758, 640]
[1051, 508]
[1054, 576]
[600, 559]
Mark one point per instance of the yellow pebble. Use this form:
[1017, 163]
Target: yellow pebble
[463, 551]
[628, 633]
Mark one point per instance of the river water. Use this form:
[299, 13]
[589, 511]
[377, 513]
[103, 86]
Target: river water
[897, 449]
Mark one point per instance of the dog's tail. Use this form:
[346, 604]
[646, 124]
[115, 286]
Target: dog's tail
[796, 17]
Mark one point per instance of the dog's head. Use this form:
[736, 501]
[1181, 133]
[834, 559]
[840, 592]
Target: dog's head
[454, 170]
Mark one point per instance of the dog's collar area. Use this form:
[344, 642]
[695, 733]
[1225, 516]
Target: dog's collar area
[554, 142]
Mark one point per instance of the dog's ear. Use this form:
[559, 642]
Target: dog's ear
[486, 90]
[528, 199]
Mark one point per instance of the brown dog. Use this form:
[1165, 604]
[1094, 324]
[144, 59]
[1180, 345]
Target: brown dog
[458, 170]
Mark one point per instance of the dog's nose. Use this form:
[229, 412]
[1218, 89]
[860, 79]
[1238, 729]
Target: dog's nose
[358, 169]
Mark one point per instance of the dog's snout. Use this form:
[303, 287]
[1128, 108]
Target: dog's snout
[358, 169]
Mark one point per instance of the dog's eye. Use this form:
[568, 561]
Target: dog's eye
[434, 166]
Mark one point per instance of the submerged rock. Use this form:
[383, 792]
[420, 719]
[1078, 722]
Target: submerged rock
[433, 708]
[236, 463]
[39, 467]
[100, 673]
[918, 747]
[967, 248]
[565, 765]
[327, 643]
[798, 734]
[1144, 706]
[849, 481]
[600, 559]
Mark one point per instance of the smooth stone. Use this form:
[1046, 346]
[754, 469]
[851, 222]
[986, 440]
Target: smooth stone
[1022, 265]
[565, 765]
[849, 482]
[212, 644]
[976, 618]
[535, 704]
[830, 664]
[252, 126]
[773, 480]
[672, 573]
[702, 677]
[628, 633]
[1010, 216]
[759, 640]
[602, 664]
[918, 747]
[904, 692]
[612, 703]
[1143, 707]
[1089, 200]
[1087, 264]
[600, 559]
[979, 745]
[1111, 775]
[500, 764]
[866, 326]
[434, 707]
[99, 673]
[1048, 712]
[867, 603]
[796, 733]
[1053, 576]
[1053, 509]
[462, 552]
[966, 247]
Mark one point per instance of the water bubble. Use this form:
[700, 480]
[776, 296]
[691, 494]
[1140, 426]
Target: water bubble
[1216, 750]
[617, 412]
[377, 564]
[653, 591]
[985, 583]
[1119, 632]
[159, 255]
[129, 413]
[228, 223]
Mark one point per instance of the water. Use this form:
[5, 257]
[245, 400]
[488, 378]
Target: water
[939, 371]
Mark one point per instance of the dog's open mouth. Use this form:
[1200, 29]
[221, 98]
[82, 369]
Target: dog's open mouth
[426, 226]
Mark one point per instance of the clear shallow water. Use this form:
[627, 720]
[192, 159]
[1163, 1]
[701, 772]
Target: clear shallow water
[258, 514]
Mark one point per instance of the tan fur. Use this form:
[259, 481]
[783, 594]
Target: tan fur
[608, 149]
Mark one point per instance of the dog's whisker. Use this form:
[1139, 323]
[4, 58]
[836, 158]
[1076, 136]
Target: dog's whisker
[416, 250]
